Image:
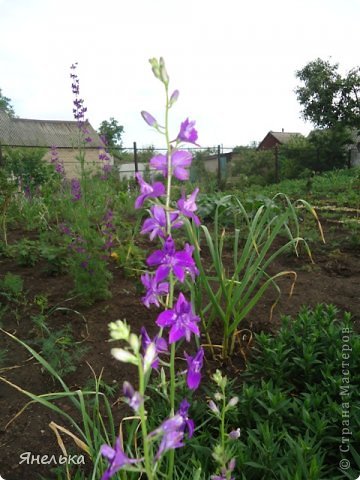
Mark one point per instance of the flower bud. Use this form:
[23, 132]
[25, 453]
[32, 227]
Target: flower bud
[149, 356]
[163, 73]
[174, 97]
[213, 407]
[119, 330]
[155, 67]
[235, 434]
[232, 402]
[149, 119]
[134, 342]
[218, 396]
[219, 379]
[124, 356]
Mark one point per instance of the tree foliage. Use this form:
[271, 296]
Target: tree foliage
[111, 131]
[327, 98]
[5, 104]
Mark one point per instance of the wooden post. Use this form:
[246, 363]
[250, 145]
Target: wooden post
[135, 159]
[1, 156]
[219, 166]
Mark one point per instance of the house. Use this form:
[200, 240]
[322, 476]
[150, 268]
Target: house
[273, 139]
[65, 135]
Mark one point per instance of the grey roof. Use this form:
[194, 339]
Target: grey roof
[43, 133]
[284, 137]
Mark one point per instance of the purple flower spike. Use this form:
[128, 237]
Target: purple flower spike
[133, 398]
[180, 161]
[160, 345]
[168, 259]
[187, 132]
[117, 459]
[180, 319]
[156, 225]
[149, 119]
[187, 206]
[154, 289]
[194, 369]
[148, 191]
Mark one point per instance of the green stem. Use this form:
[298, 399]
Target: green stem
[222, 425]
[142, 415]
[172, 406]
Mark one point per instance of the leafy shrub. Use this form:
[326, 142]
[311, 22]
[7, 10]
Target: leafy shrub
[290, 406]
[60, 350]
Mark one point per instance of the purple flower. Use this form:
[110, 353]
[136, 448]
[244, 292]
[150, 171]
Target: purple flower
[133, 398]
[170, 441]
[156, 225]
[154, 289]
[180, 160]
[75, 189]
[180, 319]
[169, 259]
[172, 431]
[149, 119]
[187, 206]
[117, 459]
[65, 229]
[188, 422]
[194, 369]
[148, 191]
[159, 342]
[187, 132]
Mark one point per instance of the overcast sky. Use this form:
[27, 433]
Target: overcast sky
[234, 61]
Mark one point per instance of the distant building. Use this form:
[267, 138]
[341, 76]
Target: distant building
[65, 135]
[272, 139]
[354, 151]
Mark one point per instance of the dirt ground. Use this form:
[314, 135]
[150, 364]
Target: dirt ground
[333, 278]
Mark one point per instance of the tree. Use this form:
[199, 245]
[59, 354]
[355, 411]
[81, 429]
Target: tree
[328, 99]
[5, 104]
[111, 131]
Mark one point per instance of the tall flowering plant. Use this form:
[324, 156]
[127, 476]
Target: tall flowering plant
[169, 266]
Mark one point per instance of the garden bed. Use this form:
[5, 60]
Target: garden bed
[333, 278]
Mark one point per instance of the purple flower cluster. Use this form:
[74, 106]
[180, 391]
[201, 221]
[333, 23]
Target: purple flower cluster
[79, 108]
[75, 187]
[56, 162]
[108, 230]
[169, 261]
[105, 158]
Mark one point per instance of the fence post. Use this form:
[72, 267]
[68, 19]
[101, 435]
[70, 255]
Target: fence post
[1, 156]
[219, 166]
[135, 158]
[276, 151]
